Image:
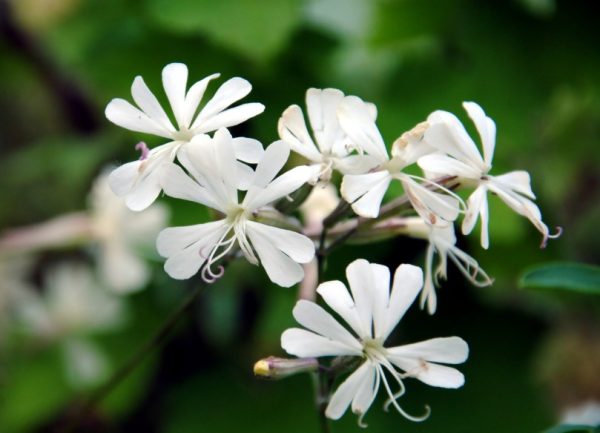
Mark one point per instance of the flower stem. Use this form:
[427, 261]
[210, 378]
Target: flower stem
[155, 341]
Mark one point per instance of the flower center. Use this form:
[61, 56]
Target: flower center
[183, 134]
[373, 349]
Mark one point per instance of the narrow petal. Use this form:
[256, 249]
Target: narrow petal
[357, 123]
[229, 92]
[146, 100]
[345, 393]
[321, 106]
[447, 350]
[292, 129]
[486, 128]
[408, 281]
[284, 185]
[304, 344]
[174, 79]
[430, 373]
[177, 184]
[474, 203]
[319, 321]
[336, 295]
[444, 165]
[231, 117]
[366, 393]
[381, 297]
[518, 181]
[193, 98]
[122, 113]
[434, 207]
[366, 191]
[174, 239]
[297, 246]
[248, 149]
[360, 279]
[273, 160]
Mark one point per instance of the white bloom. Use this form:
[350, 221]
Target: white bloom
[215, 176]
[119, 233]
[372, 311]
[442, 240]
[322, 200]
[461, 158]
[331, 148]
[366, 191]
[139, 181]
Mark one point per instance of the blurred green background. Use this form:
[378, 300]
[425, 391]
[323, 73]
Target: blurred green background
[533, 65]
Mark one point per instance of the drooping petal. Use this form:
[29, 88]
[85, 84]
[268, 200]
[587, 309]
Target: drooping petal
[518, 181]
[146, 100]
[366, 191]
[408, 281]
[281, 268]
[358, 124]
[336, 295]
[124, 114]
[486, 128]
[316, 319]
[303, 343]
[436, 208]
[477, 205]
[447, 350]
[349, 388]
[292, 129]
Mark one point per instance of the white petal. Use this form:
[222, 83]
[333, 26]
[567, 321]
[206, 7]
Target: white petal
[193, 98]
[316, 319]
[447, 350]
[231, 117]
[273, 160]
[292, 129]
[146, 190]
[280, 268]
[285, 184]
[355, 164]
[303, 343]
[245, 176]
[177, 184]
[518, 181]
[356, 121]
[366, 392]
[476, 205]
[248, 149]
[434, 207]
[146, 100]
[229, 92]
[336, 295]
[300, 248]
[360, 280]
[430, 373]
[174, 239]
[321, 106]
[366, 191]
[122, 179]
[346, 392]
[381, 297]
[174, 79]
[486, 128]
[122, 113]
[408, 281]
[447, 134]
[443, 165]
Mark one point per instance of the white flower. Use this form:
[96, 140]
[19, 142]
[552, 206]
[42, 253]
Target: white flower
[461, 158]
[442, 240]
[366, 191]
[215, 176]
[138, 181]
[372, 311]
[331, 148]
[119, 233]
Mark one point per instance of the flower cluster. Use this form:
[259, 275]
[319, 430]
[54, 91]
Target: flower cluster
[238, 179]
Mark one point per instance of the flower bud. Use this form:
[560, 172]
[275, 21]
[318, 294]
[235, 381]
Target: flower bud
[278, 368]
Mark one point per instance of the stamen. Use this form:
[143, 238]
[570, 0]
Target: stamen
[208, 275]
[559, 231]
[393, 401]
[143, 148]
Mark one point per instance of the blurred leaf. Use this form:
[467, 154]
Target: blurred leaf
[570, 428]
[577, 277]
[254, 29]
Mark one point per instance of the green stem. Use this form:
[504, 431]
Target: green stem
[142, 352]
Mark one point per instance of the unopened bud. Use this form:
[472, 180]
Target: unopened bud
[278, 368]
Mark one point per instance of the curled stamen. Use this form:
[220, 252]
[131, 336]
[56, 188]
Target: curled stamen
[397, 406]
[143, 148]
[559, 231]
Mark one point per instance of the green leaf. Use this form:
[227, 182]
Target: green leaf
[256, 29]
[578, 277]
[571, 428]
